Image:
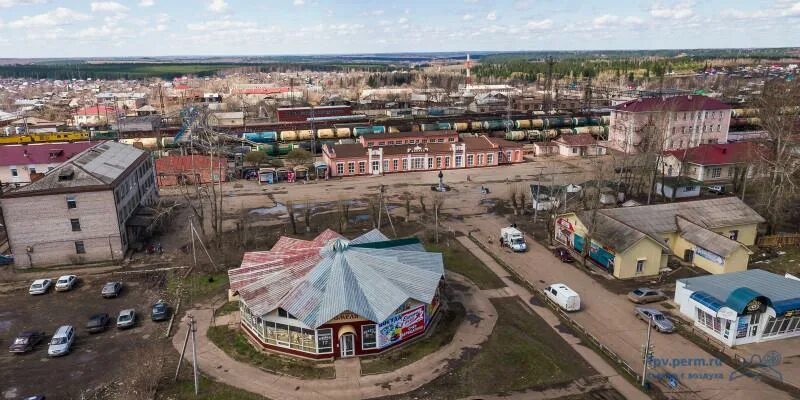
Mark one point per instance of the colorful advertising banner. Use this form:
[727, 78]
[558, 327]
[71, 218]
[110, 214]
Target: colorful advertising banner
[400, 326]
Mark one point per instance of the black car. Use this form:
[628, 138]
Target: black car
[563, 254]
[25, 341]
[160, 311]
[98, 323]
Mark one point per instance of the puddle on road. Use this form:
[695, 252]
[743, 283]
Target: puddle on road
[279, 209]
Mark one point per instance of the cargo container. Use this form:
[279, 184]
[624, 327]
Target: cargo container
[305, 134]
[325, 134]
[428, 127]
[261, 137]
[461, 126]
[476, 125]
[516, 135]
[394, 129]
[342, 133]
[288, 136]
[445, 126]
[522, 123]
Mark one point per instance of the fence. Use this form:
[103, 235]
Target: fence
[784, 239]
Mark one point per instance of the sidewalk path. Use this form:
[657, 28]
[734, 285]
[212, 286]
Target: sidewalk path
[598, 363]
[218, 365]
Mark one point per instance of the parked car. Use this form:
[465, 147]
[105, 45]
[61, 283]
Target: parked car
[62, 341]
[111, 289]
[646, 295]
[660, 322]
[126, 318]
[66, 282]
[6, 259]
[36, 397]
[565, 297]
[160, 311]
[564, 254]
[718, 189]
[40, 286]
[26, 341]
[98, 323]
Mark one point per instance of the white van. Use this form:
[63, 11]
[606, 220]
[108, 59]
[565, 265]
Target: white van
[62, 341]
[565, 297]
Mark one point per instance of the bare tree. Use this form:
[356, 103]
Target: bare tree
[343, 214]
[438, 202]
[779, 160]
[290, 212]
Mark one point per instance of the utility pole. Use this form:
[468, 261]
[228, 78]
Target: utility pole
[183, 352]
[380, 205]
[193, 329]
[647, 351]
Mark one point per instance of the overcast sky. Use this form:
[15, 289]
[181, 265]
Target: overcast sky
[73, 28]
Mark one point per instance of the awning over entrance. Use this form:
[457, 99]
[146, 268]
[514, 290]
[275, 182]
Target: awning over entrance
[741, 298]
[707, 300]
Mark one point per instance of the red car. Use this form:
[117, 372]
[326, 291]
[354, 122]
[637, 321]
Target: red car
[563, 254]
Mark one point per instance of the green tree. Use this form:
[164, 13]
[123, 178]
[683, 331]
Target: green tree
[299, 157]
[255, 157]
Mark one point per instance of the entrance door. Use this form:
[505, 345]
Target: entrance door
[348, 344]
[688, 255]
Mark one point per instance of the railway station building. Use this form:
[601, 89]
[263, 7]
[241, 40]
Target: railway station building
[418, 151]
[742, 307]
[331, 297]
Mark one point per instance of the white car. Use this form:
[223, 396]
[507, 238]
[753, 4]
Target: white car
[40, 286]
[62, 341]
[66, 282]
[126, 319]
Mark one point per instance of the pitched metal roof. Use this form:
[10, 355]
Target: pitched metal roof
[673, 103]
[710, 214]
[97, 166]
[319, 279]
[613, 233]
[707, 239]
[783, 293]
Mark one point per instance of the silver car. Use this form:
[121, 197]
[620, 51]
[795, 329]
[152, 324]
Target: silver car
[40, 286]
[126, 318]
[660, 322]
[111, 289]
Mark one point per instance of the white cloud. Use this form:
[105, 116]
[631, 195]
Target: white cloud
[108, 6]
[792, 11]
[147, 3]
[491, 16]
[539, 25]
[220, 25]
[467, 17]
[678, 11]
[740, 14]
[609, 21]
[402, 20]
[57, 17]
[377, 13]
[299, 2]
[12, 3]
[218, 6]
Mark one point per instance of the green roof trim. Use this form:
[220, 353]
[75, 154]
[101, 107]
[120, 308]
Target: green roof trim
[741, 297]
[387, 244]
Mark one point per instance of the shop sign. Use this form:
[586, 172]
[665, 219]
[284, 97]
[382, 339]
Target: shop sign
[399, 326]
[709, 255]
[346, 316]
[324, 341]
[741, 328]
[727, 313]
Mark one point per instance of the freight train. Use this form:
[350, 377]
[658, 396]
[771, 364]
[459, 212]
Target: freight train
[520, 129]
[44, 137]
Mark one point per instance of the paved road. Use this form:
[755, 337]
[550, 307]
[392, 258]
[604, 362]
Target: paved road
[610, 318]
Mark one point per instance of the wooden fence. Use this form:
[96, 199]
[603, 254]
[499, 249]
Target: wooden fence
[784, 239]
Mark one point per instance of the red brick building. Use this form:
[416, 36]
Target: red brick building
[189, 169]
[418, 151]
[331, 297]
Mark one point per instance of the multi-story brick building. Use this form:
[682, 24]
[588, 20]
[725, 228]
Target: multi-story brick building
[418, 151]
[82, 210]
[668, 122]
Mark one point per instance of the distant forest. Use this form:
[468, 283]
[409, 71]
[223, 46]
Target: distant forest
[164, 70]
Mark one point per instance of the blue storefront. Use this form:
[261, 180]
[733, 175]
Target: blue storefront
[599, 255]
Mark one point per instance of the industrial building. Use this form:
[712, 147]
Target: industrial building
[331, 297]
[631, 242]
[742, 307]
[84, 210]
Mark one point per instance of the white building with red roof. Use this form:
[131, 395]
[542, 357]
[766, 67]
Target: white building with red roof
[669, 122]
[333, 297]
[98, 115]
[19, 161]
[578, 146]
[712, 163]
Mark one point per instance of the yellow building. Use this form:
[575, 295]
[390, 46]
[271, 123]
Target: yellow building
[637, 241]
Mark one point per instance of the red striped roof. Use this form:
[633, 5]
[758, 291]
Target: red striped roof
[674, 103]
[717, 154]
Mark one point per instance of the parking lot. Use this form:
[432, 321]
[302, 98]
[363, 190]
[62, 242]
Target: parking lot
[95, 359]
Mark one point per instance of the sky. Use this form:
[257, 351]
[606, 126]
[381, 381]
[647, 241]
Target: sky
[75, 28]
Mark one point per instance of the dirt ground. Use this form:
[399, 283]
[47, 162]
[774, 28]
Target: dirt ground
[95, 359]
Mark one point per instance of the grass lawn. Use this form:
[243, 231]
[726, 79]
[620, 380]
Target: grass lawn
[209, 390]
[237, 346]
[227, 308]
[459, 260]
[523, 352]
[442, 334]
[776, 262]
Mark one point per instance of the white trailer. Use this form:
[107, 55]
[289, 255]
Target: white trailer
[513, 238]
